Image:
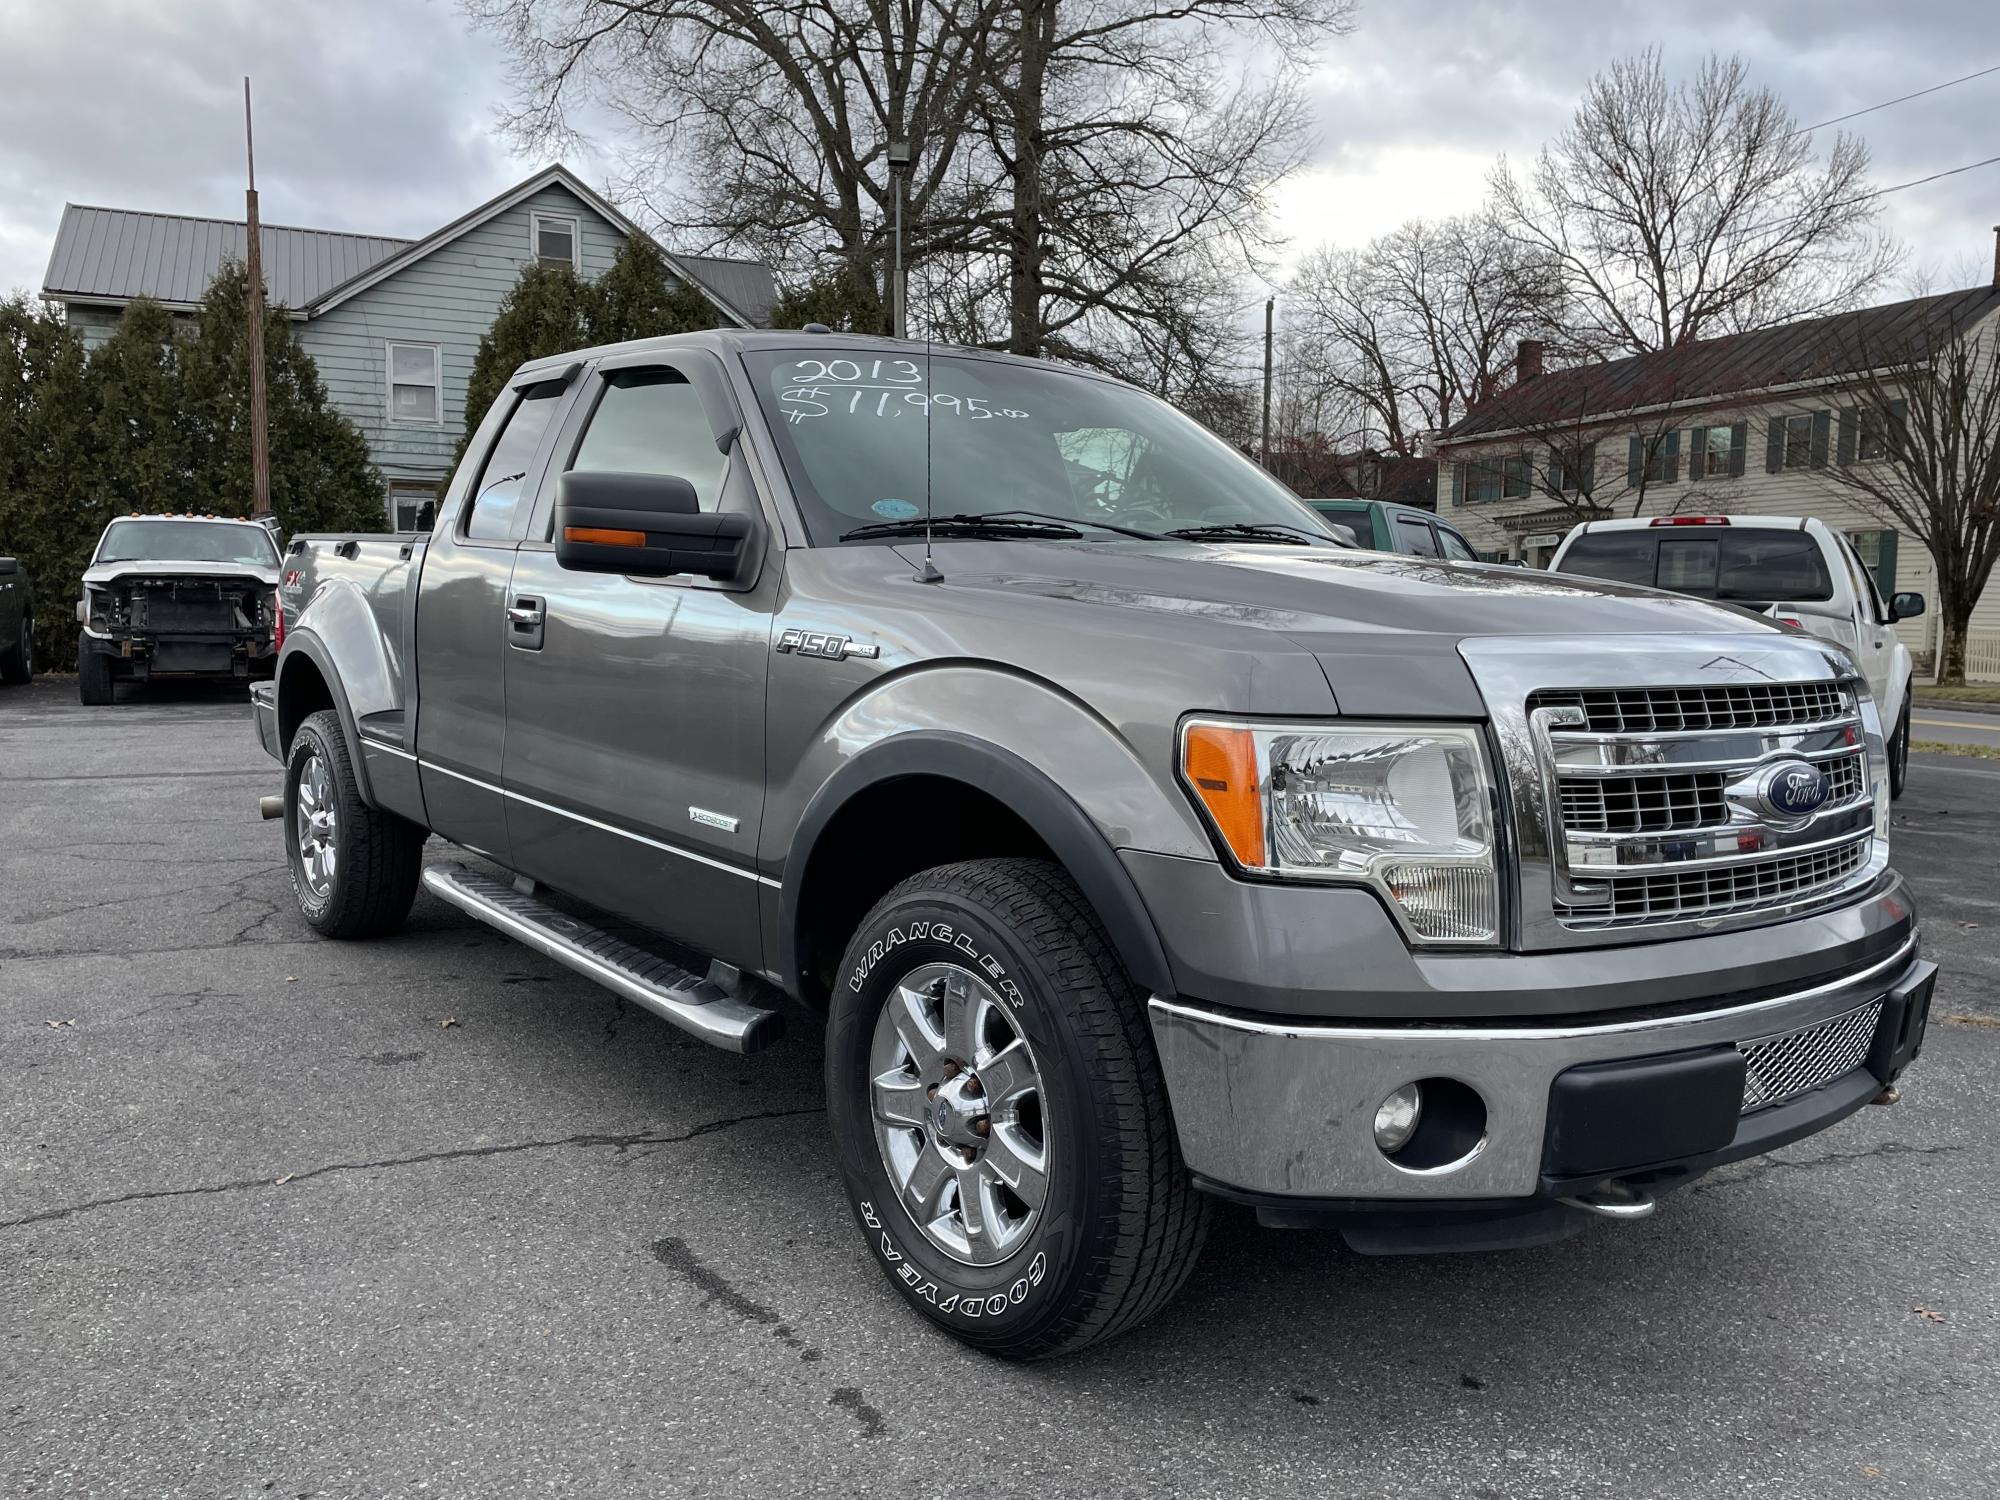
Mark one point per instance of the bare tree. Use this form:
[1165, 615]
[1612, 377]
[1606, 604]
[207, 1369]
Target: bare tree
[1919, 447]
[1082, 177]
[1677, 212]
[1423, 324]
[765, 126]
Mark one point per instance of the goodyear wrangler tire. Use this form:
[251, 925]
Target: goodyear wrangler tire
[999, 1113]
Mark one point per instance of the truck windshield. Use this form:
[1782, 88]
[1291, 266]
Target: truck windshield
[868, 439]
[144, 540]
[1745, 565]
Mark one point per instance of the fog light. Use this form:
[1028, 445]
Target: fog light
[1396, 1118]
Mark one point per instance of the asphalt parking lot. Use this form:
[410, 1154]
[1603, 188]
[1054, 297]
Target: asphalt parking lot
[431, 1215]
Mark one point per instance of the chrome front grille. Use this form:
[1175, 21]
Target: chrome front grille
[1650, 779]
[1644, 804]
[1677, 895]
[1778, 1068]
[1675, 710]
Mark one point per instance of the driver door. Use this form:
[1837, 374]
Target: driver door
[635, 706]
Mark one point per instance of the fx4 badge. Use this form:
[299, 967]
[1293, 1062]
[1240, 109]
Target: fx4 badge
[818, 643]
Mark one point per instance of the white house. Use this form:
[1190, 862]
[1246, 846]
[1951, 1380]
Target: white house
[1748, 423]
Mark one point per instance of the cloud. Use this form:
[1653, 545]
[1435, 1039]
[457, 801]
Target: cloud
[1413, 108]
[372, 115]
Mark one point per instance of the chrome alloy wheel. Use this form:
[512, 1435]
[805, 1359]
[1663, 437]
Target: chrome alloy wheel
[317, 824]
[957, 1103]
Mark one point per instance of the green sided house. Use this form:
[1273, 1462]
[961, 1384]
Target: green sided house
[392, 324]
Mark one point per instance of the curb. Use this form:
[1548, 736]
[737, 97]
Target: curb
[1956, 705]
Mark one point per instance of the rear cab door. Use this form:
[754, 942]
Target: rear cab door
[461, 726]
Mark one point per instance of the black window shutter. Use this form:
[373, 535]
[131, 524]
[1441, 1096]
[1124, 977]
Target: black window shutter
[1698, 454]
[1739, 441]
[1586, 481]
[1895, 441]
[1822, 431]
[1635, 463]
[1850, 425]
[1885, 565]
[1774, 447]
[1673, 456]
[1458, 484]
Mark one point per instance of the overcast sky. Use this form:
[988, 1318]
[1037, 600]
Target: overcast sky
[377, 115]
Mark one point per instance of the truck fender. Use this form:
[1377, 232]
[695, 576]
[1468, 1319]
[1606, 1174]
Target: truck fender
[1054, 816]
[304, 644]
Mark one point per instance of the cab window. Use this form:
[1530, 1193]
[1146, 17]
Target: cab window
[497, 493]
[650, 421]
[1454, 546]
[1415, 537]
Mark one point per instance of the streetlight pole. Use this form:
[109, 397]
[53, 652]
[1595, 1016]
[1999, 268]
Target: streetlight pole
[899, 171]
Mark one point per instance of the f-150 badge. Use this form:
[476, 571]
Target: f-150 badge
[818, 643]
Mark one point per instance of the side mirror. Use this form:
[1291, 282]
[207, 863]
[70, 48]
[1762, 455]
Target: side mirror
[1906, 606]
[646, 525]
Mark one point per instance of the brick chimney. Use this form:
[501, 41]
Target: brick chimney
[1528, 353]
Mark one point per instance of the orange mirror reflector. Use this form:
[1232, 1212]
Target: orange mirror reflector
[1220, 762]
[601, 536]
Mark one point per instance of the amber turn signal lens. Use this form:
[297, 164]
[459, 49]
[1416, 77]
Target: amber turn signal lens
[600, 536]
[1220, 762]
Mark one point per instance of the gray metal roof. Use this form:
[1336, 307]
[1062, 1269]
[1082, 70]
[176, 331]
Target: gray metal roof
[116, 254]
[1813, 349]
[745, 285]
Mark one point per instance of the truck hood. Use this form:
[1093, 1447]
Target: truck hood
[102, 573]
[1384, 627]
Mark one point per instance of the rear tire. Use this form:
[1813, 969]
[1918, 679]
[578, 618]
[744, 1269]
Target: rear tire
[1003, 959]
[95, 684]
[17, 662]
[354, 867]
[1899, 751]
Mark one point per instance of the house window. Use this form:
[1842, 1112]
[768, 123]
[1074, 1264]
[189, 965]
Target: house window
[1514, 476]
[1663, 458]
[416, 389]
[1715, 451]
[1572, 470]
[556, 240]
[1798, 441]
[412, 505]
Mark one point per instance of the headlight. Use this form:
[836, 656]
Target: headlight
[1407, 808]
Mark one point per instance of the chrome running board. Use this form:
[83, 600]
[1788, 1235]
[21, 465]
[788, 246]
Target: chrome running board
[670, 992]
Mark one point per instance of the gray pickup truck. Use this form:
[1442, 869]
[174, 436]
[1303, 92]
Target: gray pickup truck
[1133, 842]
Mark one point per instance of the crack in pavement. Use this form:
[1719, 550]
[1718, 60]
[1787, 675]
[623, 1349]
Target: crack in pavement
[1772, 1164]
[588, 1140]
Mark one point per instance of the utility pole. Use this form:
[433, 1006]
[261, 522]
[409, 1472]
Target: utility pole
[1269, 303]
[260, 441]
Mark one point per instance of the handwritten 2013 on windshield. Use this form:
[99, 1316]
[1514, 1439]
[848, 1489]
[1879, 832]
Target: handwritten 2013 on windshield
[874, 388]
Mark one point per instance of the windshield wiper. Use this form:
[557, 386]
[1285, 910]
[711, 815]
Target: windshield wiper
[1252, 531]
[966, 525]
[1043, 515]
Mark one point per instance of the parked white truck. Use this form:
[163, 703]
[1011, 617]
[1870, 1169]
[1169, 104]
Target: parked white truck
[1797, 570]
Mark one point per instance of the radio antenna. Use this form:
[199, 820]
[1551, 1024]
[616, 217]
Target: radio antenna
[929, 572]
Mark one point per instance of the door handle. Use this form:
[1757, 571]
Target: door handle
[525, 616]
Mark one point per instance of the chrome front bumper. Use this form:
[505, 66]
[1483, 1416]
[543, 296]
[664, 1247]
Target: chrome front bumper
[1279, 1109]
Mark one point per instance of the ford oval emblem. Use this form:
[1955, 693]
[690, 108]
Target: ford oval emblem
[1793, 789]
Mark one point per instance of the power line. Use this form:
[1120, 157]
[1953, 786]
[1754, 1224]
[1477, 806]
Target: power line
[1920, 181]
[1903, 99]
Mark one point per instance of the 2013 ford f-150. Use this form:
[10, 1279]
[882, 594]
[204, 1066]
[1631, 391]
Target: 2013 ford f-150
[1135, 841]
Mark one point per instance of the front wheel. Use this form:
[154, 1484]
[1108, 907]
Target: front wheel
[95, 684]
[354, 867]
[1899, 751]
[999, 1113]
